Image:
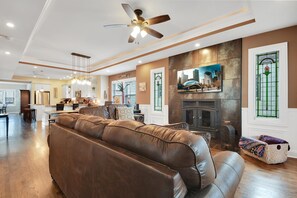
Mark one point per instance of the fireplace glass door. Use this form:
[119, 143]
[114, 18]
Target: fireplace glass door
[191, 116]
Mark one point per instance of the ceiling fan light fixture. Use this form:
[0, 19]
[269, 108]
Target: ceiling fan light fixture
[136, 31]
[143, 33]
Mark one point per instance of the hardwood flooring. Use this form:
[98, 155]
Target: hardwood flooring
[24, 161]
[24, 167]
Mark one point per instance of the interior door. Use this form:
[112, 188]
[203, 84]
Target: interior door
[25, 99]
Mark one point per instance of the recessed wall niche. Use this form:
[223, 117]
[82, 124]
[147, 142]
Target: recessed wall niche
[227, 54]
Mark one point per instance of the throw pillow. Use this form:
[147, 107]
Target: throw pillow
[125, 113]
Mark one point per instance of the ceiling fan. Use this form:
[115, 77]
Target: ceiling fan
[139, 24]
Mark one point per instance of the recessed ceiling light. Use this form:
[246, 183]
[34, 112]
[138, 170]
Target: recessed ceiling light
[35, 67]
[7, 53]
[197, 44]
[75, 72]
[107, 71]
[9, 24]
[48, 77]
[139, 61]
[34, 76]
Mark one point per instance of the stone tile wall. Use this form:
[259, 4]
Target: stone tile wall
[229, 56]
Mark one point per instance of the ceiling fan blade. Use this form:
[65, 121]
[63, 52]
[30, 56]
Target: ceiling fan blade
[115, 25]
[153, 32]
[131, 39]
[129, 11]
[158, 19]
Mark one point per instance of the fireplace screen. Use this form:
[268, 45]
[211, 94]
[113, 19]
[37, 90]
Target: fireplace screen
[190, 117]
[202, 115]
[205, 118]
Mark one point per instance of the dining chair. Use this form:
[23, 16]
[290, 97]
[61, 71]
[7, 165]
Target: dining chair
[75, 106]
[3, 109]
[59, 107]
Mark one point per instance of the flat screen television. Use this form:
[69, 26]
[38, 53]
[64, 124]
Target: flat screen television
[204, 79]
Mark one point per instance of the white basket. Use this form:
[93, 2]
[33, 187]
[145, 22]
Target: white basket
[274, 153]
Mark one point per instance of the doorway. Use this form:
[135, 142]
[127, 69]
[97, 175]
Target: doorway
[25, 100]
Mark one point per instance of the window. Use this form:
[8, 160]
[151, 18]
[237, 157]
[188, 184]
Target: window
[267, 85]
[124, 91]
[7, 97]
[157, 90]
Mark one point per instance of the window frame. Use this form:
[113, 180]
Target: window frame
[282, 48]
[152, 89]
[4, 96]
[123, 81]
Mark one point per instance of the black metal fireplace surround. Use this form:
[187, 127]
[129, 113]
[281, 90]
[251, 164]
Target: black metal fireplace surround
[202, 115]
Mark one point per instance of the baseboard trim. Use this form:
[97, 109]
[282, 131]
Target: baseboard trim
[292, 154]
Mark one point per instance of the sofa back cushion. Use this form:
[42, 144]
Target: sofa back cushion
[92, 125]
[179, 149]
[68, 119]
[95, 111]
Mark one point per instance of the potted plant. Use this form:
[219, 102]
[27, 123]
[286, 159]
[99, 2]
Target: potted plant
[122, 88]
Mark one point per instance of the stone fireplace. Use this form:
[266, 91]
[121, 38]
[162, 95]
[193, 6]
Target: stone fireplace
[208, 111]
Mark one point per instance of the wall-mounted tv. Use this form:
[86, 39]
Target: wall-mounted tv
[200, 80]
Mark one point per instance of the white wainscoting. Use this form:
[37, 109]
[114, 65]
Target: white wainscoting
[288, 132]
[151, 117]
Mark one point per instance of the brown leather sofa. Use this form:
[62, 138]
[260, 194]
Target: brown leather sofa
[94, 157]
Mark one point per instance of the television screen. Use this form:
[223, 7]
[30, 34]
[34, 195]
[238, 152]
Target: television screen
[200, 80]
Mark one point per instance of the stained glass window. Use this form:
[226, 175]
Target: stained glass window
[267, 85]
[158, 91]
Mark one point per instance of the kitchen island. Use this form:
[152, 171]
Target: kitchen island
[41, 110]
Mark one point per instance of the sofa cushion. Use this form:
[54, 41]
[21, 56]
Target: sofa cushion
[92, 125]
[125, 113]
[95, 111]
[179, 149]
[68, 119]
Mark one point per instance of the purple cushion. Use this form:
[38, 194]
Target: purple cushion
[272, 140]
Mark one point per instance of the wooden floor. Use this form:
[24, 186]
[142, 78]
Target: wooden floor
[24, 167]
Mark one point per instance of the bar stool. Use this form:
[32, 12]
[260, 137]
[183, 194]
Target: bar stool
[29, 115]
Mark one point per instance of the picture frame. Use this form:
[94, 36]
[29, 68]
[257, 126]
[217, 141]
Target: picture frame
[142, 86]
[78, 94]
[204, 79]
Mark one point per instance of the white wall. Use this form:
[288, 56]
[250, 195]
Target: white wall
[103, 86]
[287, 133]
[151, 117]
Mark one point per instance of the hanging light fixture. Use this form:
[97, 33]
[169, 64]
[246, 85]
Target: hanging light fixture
[81, 63]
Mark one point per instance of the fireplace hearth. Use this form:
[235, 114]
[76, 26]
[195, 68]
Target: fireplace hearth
[202, 115]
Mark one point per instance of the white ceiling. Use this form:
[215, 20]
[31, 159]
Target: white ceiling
[47, 31]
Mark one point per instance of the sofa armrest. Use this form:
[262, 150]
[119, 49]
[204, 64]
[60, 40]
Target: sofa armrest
[229, 169]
